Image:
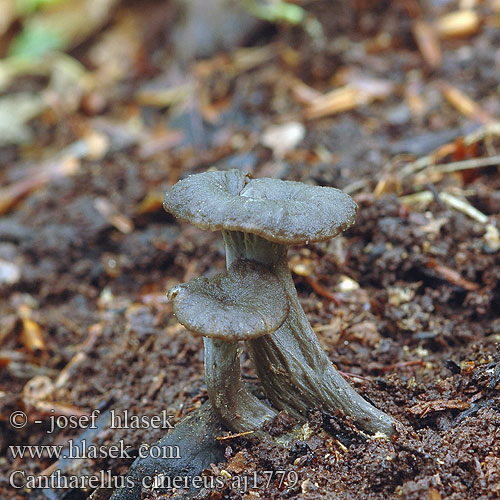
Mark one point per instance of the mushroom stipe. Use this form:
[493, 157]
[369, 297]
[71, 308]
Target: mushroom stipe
[245, 302]
[259, 219]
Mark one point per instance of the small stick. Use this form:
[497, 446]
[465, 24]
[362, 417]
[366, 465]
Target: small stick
[492, 129]
[232, 436]
[356, 186]
[427, 41]
[353, 375]
[464, 207]
[322, 291]
[457, 166]
[452, 276]
[425, 197]
[341, 445]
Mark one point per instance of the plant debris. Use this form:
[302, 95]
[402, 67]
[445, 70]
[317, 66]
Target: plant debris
[396, 103]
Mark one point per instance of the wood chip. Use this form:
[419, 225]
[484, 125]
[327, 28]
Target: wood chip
[422, 199]
[31, 333]
[464, 104]
[460, 23]
[434, 494]
[153, 202]
[164, 97]
[350, 96]
[422, 409]
[388, 184]
[303, 93]
[121, 222]
[336, 101]
[427, 41]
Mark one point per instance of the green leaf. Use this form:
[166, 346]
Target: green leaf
[278, 11]
[34, 42]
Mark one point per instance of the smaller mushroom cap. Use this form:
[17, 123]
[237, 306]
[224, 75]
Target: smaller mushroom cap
[285, 212]
[245, 302]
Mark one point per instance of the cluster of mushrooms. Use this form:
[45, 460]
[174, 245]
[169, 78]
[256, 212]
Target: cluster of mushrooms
[255, 300]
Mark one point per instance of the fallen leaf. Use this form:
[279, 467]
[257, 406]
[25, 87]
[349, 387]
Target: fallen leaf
[61, 26]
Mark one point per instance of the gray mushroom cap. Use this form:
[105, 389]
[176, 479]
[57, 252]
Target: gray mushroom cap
[284, 212]
[245, 302]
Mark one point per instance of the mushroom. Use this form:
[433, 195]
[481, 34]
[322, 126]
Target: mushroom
[243, 303]
[259, 219]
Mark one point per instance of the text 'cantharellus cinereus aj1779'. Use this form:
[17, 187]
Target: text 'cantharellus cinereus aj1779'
[255, 299]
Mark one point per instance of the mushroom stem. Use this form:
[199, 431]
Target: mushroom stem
[295, 372]
[237, 408]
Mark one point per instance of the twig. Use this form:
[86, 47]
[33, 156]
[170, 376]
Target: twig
[355, 186]
[457, 166]
[464, 207]
[492, 129]
[353, 376]
[492, 235]
[451, 276]
[322, 291]
[232, 436]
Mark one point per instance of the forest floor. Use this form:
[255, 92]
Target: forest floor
[397, 104]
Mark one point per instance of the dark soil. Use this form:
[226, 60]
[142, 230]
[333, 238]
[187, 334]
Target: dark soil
[418, 327]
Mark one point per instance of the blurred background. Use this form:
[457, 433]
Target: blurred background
[104, 104]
